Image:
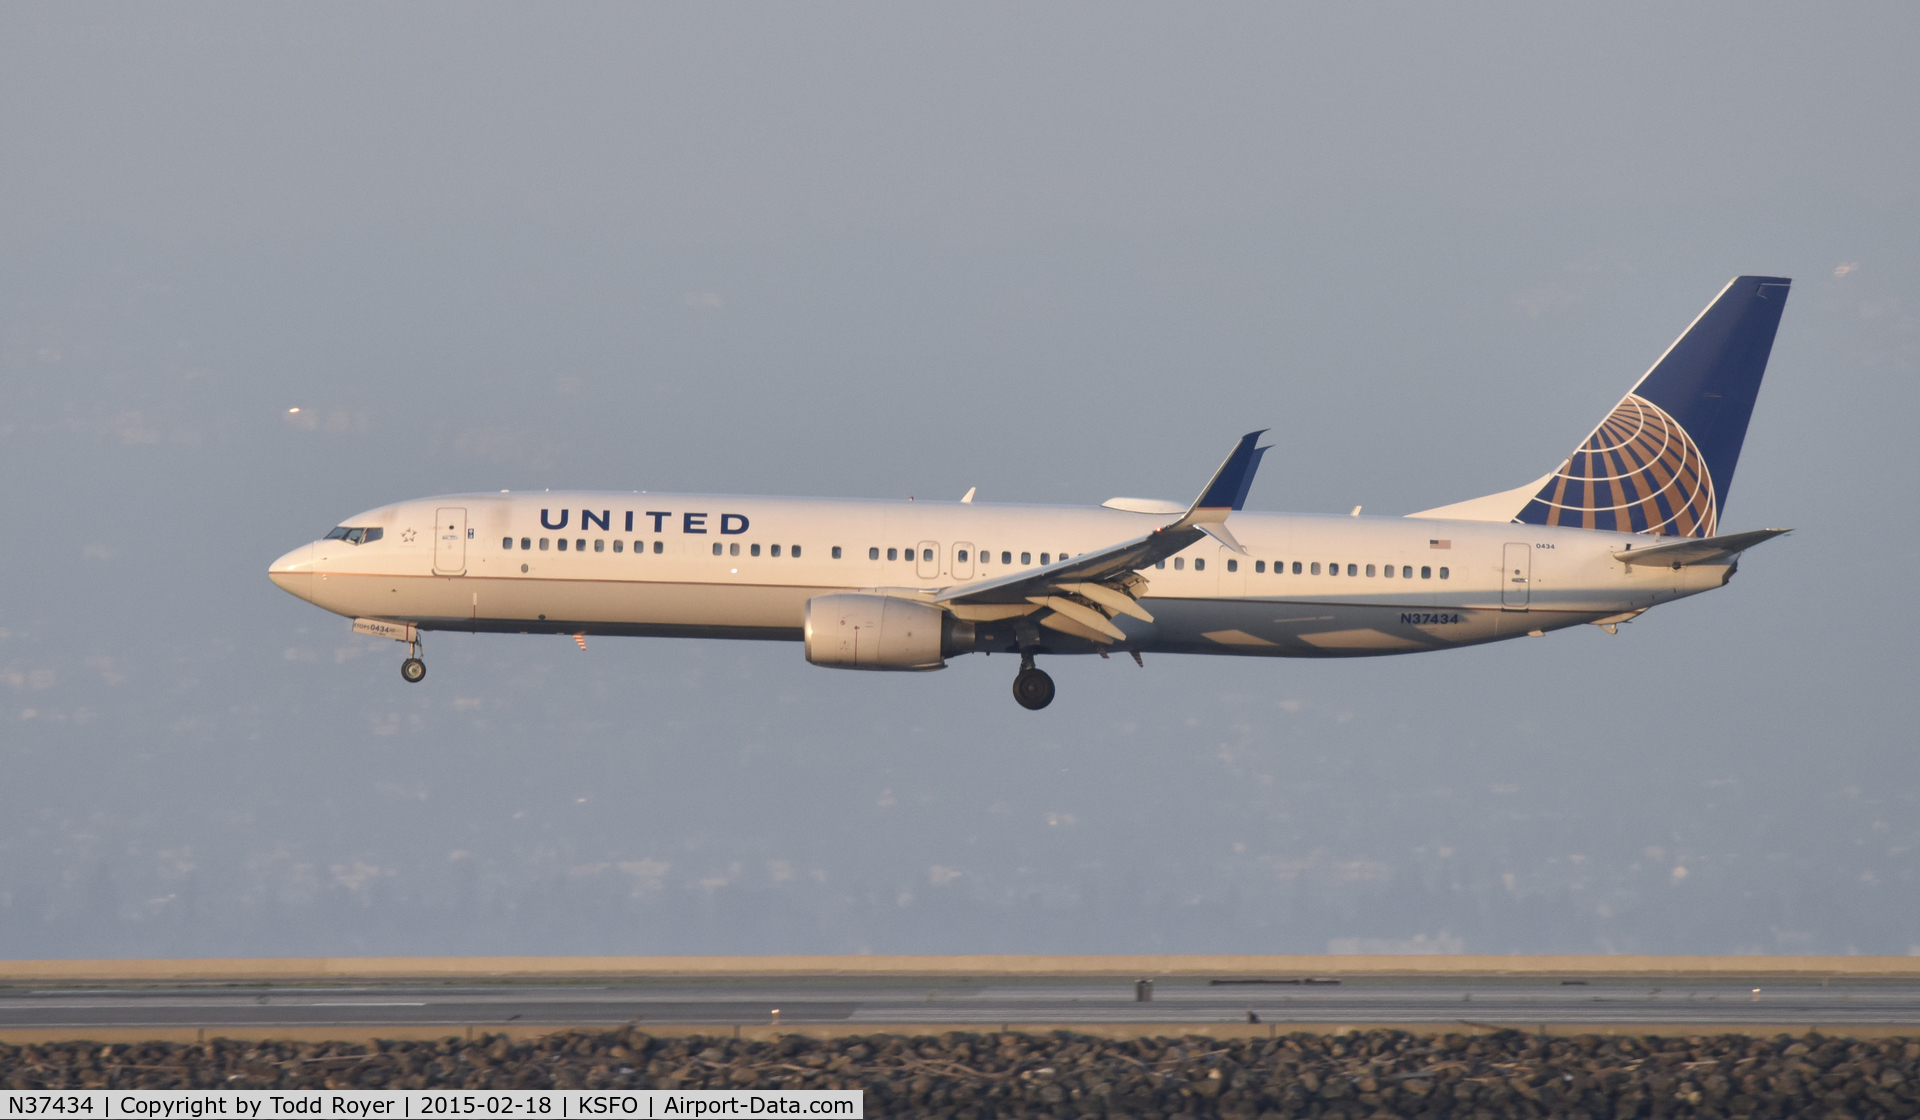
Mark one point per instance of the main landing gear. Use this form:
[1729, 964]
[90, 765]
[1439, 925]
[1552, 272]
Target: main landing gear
[1033, 688]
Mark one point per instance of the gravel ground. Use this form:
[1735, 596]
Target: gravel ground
[1377, 1073]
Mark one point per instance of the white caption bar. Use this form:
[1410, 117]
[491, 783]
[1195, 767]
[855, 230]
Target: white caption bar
[542, 1104]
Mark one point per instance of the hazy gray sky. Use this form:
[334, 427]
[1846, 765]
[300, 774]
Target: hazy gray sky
[1056, 252]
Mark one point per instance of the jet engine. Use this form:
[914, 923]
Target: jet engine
[881, 632]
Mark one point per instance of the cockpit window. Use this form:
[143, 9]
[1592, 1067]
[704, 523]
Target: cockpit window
[355, 535]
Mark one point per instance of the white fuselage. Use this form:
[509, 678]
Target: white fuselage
[699, 565]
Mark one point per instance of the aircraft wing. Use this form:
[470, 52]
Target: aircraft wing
[1112, 562]
[1697, 551]
[1091, 588]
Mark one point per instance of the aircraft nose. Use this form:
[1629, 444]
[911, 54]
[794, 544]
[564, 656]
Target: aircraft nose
[293, 573]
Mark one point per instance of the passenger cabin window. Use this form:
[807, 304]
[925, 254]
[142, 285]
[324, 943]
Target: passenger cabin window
[1443, 573]
[659, 547]
[893, 554]
[1026, 558]
[836, 551]
[773, 550]
[796, 551]
[543, 544]
[1316, 567]
[580, 546]
[716, 548]
[526, 542]
[1006, 557]
[599, 545]
[961, 555]
[1233, 565]
[619, 545]
[1406, 572]
[1179, 563]
[1045, 559]
[873, 554]
[563, 544]
[1354, 570]
[507, 544]
[752, 549]
[926, 554]
[1261, 566]
[1426, 573]
[1387, 571]
[733, 549]
[1199, 565]
[1296, 568]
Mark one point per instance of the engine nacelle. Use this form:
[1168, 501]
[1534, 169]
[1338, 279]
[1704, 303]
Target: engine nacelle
[881, 632]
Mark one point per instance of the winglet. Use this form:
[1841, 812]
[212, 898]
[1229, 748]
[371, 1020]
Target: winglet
[1228, 489]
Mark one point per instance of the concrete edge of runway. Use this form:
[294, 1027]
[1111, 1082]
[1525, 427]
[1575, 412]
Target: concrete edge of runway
[761, 1032]
[575, 969]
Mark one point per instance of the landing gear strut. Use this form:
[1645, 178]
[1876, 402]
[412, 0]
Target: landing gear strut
[413, 670]
[1033, 688]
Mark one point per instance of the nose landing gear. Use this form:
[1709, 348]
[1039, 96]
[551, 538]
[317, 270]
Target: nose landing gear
[1032, 688]
[413, 670]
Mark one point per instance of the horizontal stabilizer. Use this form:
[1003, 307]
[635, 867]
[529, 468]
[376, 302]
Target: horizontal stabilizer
[1697, 551]
[1145, 505]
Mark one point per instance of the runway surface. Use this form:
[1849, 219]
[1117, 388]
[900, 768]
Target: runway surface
[987, 1004]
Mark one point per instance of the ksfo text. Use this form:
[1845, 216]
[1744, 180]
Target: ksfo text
[720, 1103]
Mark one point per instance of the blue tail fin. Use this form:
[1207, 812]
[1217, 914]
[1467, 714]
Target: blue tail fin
[1662, 461]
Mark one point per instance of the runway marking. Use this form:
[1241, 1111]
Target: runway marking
[360, 1003]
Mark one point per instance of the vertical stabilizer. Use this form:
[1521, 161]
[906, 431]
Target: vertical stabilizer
[1662, 461]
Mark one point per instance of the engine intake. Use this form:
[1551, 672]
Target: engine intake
[881, 632]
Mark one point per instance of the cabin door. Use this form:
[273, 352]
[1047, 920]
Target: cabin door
[450, 542]
[1516, 577]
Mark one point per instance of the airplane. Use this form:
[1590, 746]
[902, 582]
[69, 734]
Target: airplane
[1628, 521]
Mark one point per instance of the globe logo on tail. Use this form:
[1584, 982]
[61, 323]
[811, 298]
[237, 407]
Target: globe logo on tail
[1639, 472]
